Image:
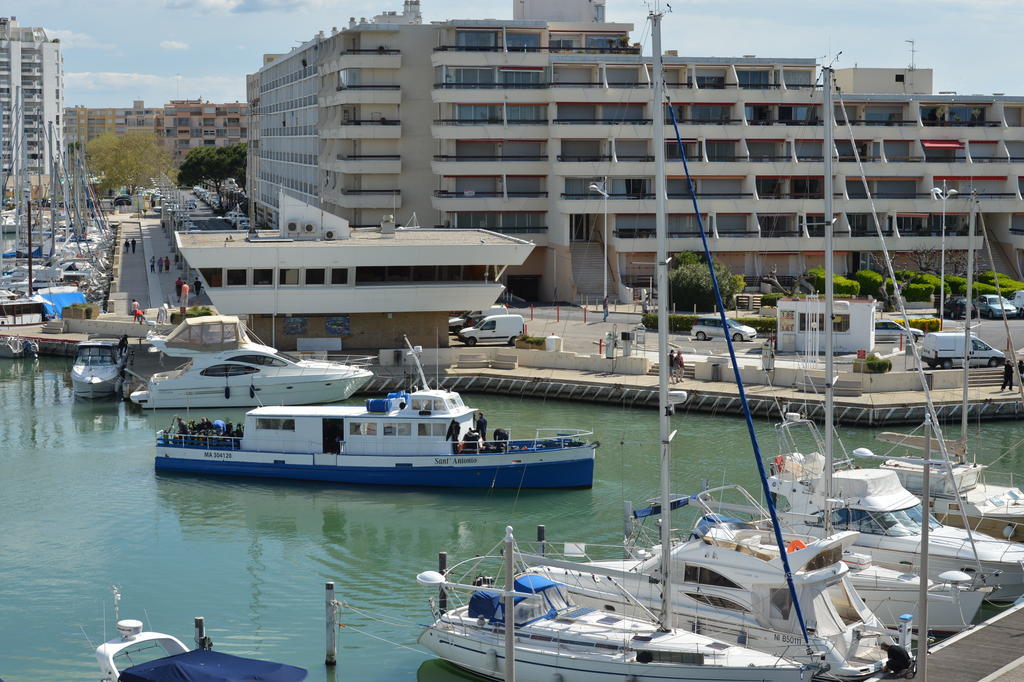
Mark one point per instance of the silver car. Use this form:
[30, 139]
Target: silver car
[890, 330]
[711, 326]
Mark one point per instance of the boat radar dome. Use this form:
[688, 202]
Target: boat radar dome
[129, 628]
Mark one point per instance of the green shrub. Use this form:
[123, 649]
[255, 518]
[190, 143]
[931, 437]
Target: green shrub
[530, 342]
[980, 289]
[919, 293]
[199, 311]
[763, 325]
[676, 323]
[771, 300]
[905, 275]
[870, 282]
[926, 324]
[957, 286]
[840, 285]
[876, 365]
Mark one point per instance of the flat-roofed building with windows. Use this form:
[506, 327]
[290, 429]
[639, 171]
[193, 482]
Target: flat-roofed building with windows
[508, 124]
[82, 124]
[196, 123]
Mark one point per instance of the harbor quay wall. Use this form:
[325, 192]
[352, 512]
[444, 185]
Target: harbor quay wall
[486, 355]
[792, 377]
[356, 331]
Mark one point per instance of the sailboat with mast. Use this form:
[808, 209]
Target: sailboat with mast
[545, 635]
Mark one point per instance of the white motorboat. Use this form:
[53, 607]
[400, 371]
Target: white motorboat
[889, 519]
[554, 639]
[732, 586]
[98, 369]
[227, 369]
[17, 347]
[142, 656]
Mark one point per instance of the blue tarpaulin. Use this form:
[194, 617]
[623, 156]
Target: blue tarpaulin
[55, 303]
[211, 666]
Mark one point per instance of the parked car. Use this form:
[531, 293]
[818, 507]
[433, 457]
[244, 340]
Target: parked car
[992, 306]
[504, 328]
[891, 330]
[946, 350]
[711, 326]
[123, 200]
[1018, 300]
[954, 308]
[242, 223]
[233, 216]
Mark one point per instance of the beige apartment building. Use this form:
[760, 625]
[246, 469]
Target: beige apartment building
[510, 124]
[82, 124]
[194, 123]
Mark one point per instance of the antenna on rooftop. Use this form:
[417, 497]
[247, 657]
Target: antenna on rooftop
[913, 52]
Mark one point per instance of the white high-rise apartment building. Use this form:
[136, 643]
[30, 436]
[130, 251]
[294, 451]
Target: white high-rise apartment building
[506, 125]
[32, 63]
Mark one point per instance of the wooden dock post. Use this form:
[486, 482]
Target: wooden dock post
[331, 610]
[202, 641]
[442, 568]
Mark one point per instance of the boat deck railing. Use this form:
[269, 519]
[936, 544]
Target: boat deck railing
[195, 440]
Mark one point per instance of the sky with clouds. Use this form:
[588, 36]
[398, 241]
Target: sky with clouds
[116, 51]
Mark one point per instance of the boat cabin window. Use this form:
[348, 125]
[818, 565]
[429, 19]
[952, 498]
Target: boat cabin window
[396, 429]
[898, 523]
[705, 576]
[95, 356]
[431, 429]
[530, 609]
[781, 602]
[427, 404]
[362, 428]
[718, 602]
[275, 424]
[254, 359]
[824, 559]
[228, 370]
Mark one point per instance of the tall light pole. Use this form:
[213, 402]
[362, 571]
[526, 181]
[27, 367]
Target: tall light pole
[602, 190]
[942, 195]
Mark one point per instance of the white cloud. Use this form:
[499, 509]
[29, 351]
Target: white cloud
[70, 40]
[173, 45]
[251, 5]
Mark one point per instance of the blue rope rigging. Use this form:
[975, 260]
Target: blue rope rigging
[747, 415]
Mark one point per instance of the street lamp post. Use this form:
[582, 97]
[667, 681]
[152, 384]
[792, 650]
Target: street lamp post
[602, 190]
[942, 195]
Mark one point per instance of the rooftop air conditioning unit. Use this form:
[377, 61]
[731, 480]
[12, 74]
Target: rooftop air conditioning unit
[309, 228]
[293, 228]
[329, 235]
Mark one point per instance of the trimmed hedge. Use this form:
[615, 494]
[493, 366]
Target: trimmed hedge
[918, 293]
[870, 282]
[684, 323]
[770, 300]
[876, 365]
[957, 285]
[926, 324]
[840, 285]
[537, 342]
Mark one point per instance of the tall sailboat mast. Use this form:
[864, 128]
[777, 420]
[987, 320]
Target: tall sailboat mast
[661, 265]
[828, 115]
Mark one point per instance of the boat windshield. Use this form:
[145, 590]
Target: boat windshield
[899, 523]
[287, 356]
[95, 357]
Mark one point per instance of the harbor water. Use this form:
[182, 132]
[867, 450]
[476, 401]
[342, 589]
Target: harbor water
[82, 509]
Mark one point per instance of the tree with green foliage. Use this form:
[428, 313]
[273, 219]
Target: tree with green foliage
[690, 283]
[130, 160]
[214, 165]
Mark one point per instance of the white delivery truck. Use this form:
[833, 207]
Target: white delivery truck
[946, 349]
[493, 328]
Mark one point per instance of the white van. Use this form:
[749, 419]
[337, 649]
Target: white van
[468, 319]
[494, 328]
[946, 349]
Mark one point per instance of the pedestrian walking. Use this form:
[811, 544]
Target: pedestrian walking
[644, 306]
[197, 288]
[122, 345]
[152, 263]
[160, 264]
[177, 287]
[127, 245]
[133, 246]
[671, 364]
[167, 264]
[161, 314]
[677, 369]
[184, 297]
[135, 305]
[1007, 376]
[140, 316]
[604, 306]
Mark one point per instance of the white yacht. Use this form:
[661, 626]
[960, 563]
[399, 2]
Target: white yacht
[889, 519]
[227, 369]
[97, 371]
[730, 584]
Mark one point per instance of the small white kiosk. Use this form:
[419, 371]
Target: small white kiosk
[801, 325]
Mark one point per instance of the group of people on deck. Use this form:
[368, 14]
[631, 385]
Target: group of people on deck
[205, 427]
[475, 439]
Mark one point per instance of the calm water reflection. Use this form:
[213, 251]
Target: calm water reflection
[83, 509]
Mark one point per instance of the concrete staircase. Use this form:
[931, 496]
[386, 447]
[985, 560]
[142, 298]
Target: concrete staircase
[689, 371]
[588, 268]
[1000, 262]
[980, 378]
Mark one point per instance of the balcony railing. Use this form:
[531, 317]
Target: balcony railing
[709, 122]
[369, 157]
[371, 192]
[371, 122]
[491, 86]
[637, 196]
[969, 124]
[493, 157]
[766, 157]
[369, 86]
[490, 121]
[791, 195]
[870, 232]
[784, 122]
[876, 122]
[538, 48]
[536, 229]
[989, 159]
[375, 50]
[476, 194]
[603, 121]
[583, 158]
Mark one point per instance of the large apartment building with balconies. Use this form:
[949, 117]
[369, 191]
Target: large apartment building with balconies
[31, 66]
[191, 123]
[507, 125]
[82, 124]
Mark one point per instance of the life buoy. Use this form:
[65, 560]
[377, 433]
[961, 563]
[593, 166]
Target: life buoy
[794, 546]
[780, 464]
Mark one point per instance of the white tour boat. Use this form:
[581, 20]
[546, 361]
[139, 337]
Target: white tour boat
[227, 369]
[422, 438]
[18, 347]
[97, 370]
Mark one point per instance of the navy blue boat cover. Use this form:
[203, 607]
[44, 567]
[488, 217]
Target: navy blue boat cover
[211, 666]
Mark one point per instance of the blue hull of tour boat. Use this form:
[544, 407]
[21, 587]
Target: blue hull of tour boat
[577, 473]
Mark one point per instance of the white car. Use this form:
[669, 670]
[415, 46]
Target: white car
[233, 217]
[711, 326]
[890, 330]
[242, 223]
